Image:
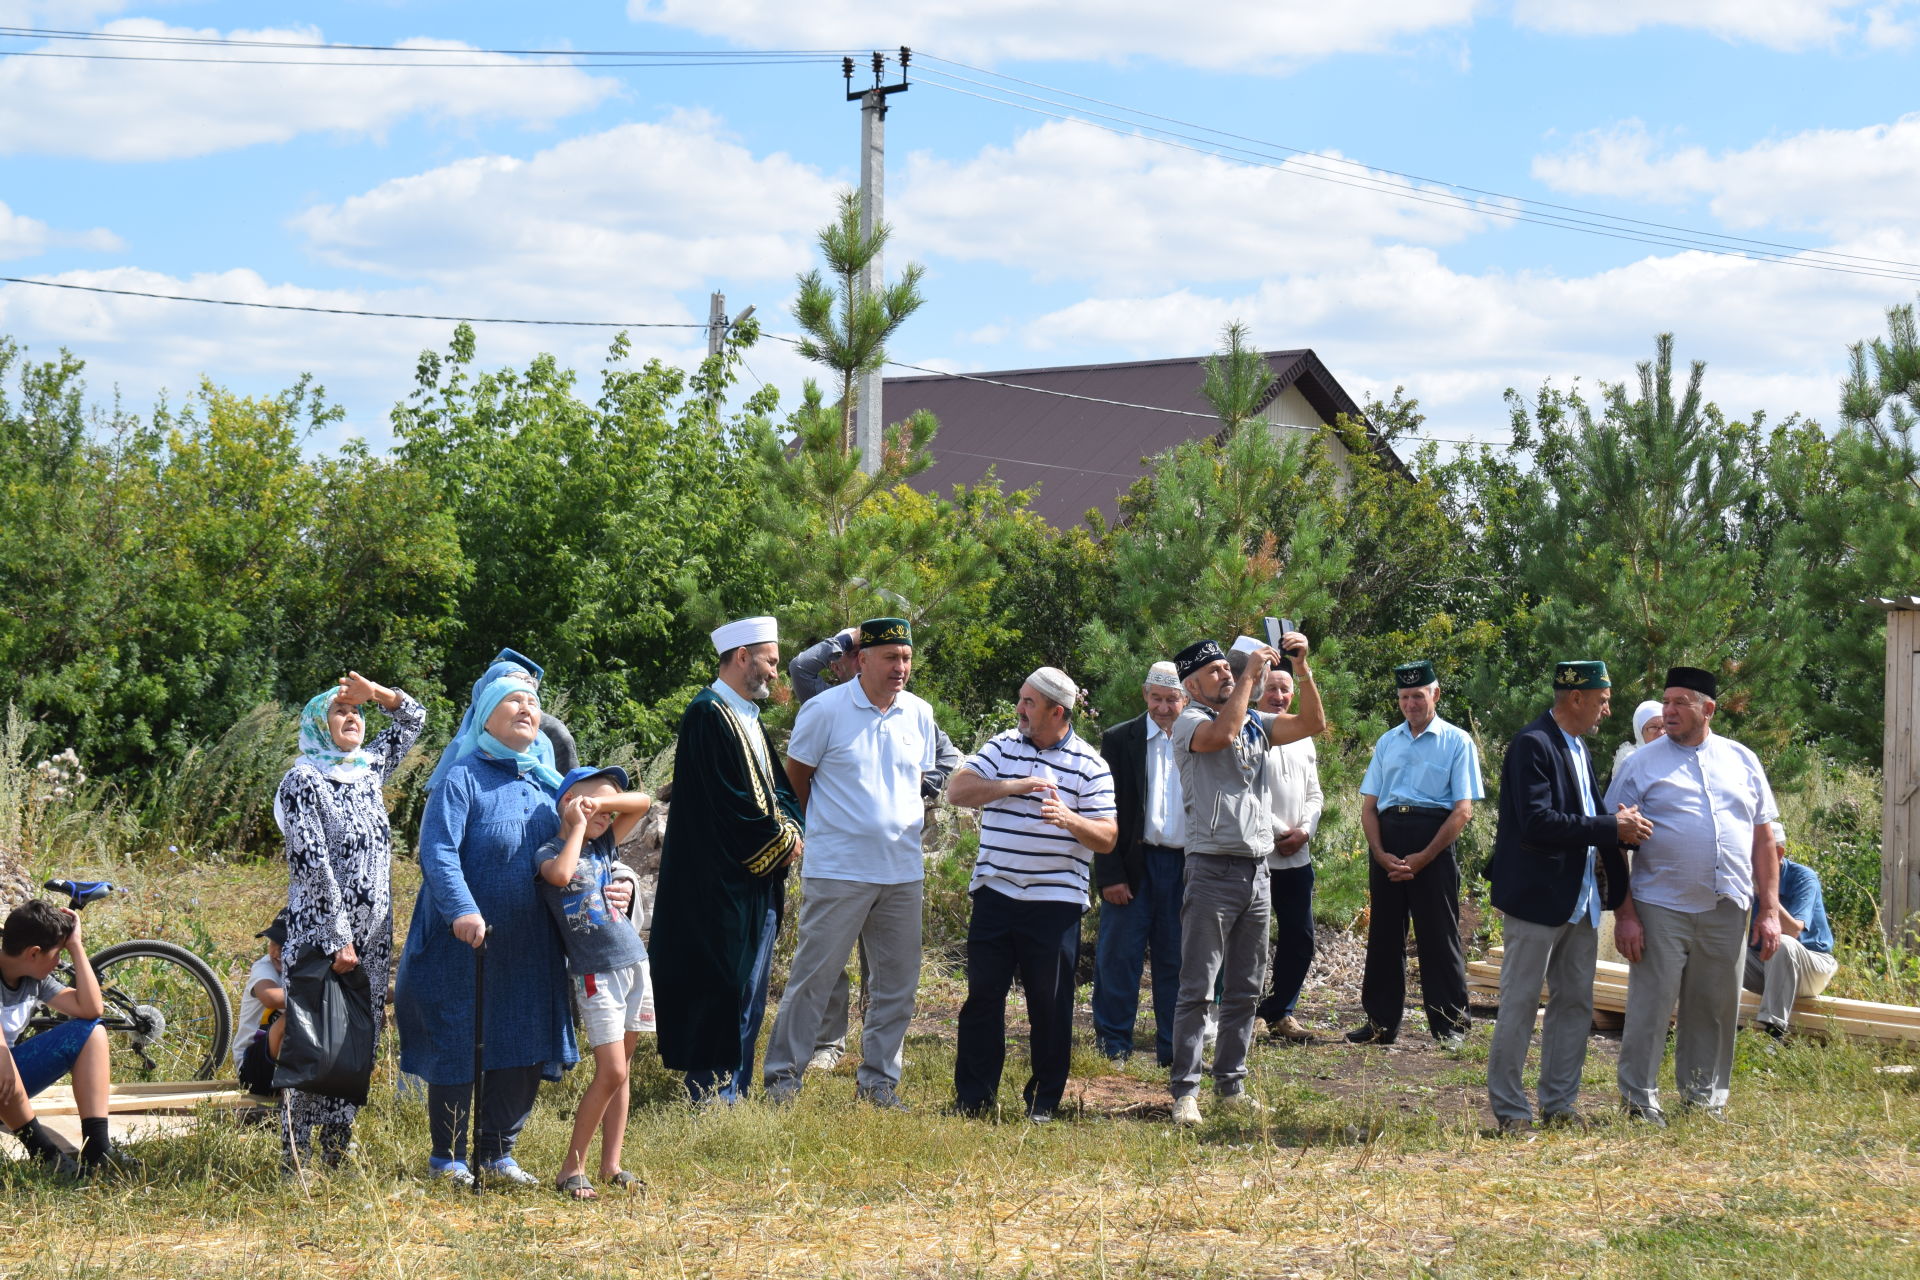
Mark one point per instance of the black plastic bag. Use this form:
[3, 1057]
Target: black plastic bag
[329, 1046]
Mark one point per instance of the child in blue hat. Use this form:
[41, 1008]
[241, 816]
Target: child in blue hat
[605, 955]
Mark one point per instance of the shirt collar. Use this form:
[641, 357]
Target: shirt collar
[1155, 731]
[741, 706]
[1058, 746]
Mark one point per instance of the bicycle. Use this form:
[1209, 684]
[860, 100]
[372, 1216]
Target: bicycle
[167, 1016]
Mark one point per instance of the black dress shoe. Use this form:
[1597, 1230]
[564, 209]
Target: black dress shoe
[1368, 1033]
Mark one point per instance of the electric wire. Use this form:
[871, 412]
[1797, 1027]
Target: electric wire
[1410, 177]
[415, 66]
[1454, 203]
[172, 38]
[625, 324]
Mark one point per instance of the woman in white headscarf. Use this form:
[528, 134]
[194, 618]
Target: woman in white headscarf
[1648, 723]
[332, 810]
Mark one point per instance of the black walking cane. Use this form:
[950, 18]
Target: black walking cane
[479, 1051]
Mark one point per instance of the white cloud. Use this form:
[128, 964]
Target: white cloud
[1845, 180]
[1066, 200]
[23, 237]
[162, 111]
[612, 222]
[1777, 24]
[144, 347]
[1239, 34]
[1774, 337]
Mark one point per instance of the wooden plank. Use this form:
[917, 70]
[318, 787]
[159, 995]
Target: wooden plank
[1816, 1014]
[57, 1100]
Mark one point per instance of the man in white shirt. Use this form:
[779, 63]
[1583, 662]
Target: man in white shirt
[855, 760]
[1293, 787]
[1684, 923]
[1140, 878]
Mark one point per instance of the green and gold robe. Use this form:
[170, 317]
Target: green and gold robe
[731, 830]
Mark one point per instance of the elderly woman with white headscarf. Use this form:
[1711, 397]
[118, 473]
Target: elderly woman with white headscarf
[1649, 722]
[332, 810]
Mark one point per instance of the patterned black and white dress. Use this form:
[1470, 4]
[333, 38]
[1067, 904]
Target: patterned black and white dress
[339, 890]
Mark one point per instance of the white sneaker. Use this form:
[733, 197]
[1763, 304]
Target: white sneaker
[824, 1059]
[1243, 1102]
[1186, 1111]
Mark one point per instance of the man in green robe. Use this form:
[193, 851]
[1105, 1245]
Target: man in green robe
[733, 829]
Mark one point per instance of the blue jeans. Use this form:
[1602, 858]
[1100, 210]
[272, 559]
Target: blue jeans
[46, 1057]
[1150, 924]
[731, 1086]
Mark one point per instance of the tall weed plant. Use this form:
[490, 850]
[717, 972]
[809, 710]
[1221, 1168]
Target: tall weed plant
[218, 800]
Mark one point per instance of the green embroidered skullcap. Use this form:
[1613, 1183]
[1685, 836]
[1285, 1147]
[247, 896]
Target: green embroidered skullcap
[885, 631]
[1414, 675]
[1580, 675]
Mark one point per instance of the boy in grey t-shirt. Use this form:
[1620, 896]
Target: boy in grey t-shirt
[35, 934]
[605, 954]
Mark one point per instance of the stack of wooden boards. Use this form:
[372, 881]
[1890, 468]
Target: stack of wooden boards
[1814, 1015]
[133, 1099]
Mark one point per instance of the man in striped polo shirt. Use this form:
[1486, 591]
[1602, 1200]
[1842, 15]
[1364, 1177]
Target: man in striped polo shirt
[1046, 807]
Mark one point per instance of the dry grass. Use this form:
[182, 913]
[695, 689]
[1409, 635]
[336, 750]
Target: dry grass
[1369, 1164]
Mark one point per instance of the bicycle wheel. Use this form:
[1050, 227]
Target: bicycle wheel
[167, 1016]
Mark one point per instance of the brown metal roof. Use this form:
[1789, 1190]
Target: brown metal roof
[1082, 453]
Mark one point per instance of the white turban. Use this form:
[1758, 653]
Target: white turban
[1055, 685]
[1164, 675]
[745, 631]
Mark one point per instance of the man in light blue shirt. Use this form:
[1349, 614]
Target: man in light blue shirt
[1804, 964]
[1416, 798]
[855, 760]
[1710, 857]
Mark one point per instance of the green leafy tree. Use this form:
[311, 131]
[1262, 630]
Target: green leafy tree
[1642, 549]
[1196, 554]
[847, 327]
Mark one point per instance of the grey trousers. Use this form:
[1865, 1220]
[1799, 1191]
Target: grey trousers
[1224, 914]
[833, 916]
[1793, 972]
[1562, 956]
[1693, 958]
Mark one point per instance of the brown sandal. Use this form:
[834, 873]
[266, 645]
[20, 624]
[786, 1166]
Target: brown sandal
[577, 1188]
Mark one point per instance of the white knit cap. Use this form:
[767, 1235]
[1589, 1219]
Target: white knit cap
[1247, 644]
[745, 631]
[1056, 686]
[1164, 674]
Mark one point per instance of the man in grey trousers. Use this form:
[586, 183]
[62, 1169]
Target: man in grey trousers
[1220, 747]
[1709, 859]
[1556, 866]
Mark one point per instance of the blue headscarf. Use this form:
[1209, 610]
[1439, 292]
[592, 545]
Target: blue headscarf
[498, 681]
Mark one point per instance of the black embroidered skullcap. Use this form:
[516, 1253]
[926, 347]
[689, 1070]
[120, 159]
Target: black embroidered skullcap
[1195, 656]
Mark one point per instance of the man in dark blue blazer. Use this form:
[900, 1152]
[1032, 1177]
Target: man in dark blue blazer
[1556, 866]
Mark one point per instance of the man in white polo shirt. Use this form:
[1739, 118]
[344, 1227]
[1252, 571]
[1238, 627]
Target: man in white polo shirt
[1709, 859]
[855, 760]
[1046, 807]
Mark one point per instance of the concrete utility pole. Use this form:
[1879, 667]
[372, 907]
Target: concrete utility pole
[869, 417]
[716, 322]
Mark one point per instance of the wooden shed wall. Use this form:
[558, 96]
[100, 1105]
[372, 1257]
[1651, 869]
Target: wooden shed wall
[1900, 824]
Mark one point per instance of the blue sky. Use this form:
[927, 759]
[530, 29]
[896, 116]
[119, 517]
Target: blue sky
[629, 193]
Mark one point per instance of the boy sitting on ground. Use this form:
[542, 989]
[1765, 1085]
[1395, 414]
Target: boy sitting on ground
[30, 945]
[605, 955]
[262, 1002]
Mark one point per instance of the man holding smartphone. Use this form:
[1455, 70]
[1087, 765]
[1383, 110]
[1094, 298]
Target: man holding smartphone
[1220, 745]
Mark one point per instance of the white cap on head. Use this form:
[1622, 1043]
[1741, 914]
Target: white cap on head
[1055, 685]
[1165, 675]
[1247, 644]
[745, 631]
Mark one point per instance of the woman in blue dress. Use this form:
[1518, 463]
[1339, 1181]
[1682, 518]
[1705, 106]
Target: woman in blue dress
[490, 806]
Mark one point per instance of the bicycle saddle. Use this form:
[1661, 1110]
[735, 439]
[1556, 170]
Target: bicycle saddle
[80, 892]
